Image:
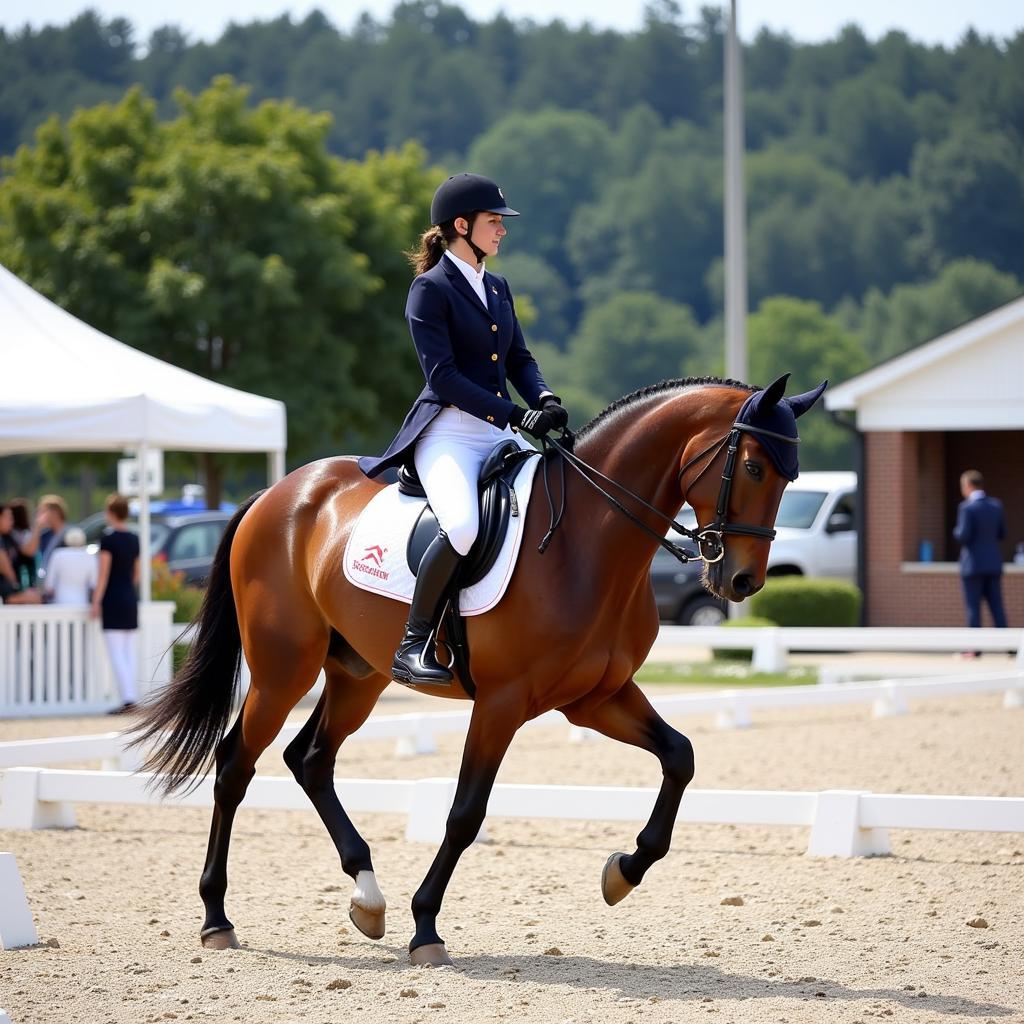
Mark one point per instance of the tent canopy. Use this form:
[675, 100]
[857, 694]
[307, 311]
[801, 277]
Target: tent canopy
[75, 389]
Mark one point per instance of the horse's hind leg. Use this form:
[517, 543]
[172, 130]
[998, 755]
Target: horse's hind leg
[344, 706]
[266, 707]
[629, 717]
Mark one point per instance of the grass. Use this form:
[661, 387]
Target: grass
[722, 673]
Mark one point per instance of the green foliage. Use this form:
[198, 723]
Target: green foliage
[799, 601]
[797, 336]
[228, 241]
[740, 653]
[170, 586]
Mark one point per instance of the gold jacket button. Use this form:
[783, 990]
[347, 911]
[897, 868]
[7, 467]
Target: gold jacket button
[494, 357]
[494, 327]
[490, 419]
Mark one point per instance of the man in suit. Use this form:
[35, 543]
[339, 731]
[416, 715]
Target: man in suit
[980, 526]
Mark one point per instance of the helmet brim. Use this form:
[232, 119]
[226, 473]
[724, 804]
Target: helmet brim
[505, 211]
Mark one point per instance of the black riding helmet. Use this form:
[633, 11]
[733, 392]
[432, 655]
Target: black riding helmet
[464, 194]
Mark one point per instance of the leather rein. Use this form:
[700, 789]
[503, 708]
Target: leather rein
[710, 539]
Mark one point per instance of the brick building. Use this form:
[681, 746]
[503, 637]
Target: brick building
[954, 403]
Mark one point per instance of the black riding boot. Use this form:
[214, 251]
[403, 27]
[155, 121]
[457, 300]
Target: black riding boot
[416, 660]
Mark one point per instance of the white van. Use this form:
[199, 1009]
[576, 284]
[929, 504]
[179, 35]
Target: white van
[817, 527]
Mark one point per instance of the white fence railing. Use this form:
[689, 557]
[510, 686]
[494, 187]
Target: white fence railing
[417, 733]
[53, 659]
[771, 645]
[843, 823]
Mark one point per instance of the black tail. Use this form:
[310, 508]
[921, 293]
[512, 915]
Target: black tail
[185, 720]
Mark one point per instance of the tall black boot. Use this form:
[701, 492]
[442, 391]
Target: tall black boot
[416, 660]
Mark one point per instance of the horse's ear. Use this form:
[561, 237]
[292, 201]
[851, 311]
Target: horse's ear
[771, 395]
[801, 403]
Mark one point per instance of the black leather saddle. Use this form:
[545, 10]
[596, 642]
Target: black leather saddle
[497, 505]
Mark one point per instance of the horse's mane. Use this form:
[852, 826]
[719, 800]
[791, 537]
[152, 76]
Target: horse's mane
[650, 390]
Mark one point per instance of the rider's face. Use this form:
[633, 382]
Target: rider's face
[488, 231]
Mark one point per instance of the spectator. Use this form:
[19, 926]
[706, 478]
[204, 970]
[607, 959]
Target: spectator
[11, 589]
[980, 526]
[27, 539]
[115, 599]
[51, 519]
[73, 571]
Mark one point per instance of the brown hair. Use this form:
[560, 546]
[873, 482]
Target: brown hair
[433, 244]
[19, 506]
[973, 479]
[117, 506]
[55, 503]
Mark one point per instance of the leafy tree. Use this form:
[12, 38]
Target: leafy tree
[229, 242]
[547, 163]
[632, 339]
[912, 314]
[533, 279]
[872, 128]
[789, 335]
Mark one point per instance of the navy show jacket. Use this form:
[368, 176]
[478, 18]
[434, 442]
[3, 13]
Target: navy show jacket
[468, 354]
[980, 526]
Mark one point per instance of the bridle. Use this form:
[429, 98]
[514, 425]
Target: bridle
[710, 539]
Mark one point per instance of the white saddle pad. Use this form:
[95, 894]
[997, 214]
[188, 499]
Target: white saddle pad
[375, 555]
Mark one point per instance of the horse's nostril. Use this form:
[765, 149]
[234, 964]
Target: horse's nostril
[743, 584]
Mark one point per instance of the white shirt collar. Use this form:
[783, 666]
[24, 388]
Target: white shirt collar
[976, 495]
[471, 274]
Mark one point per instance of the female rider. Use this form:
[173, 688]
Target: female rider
[468, 340]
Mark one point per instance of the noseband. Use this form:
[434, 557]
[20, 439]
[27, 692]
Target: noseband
[710, 537]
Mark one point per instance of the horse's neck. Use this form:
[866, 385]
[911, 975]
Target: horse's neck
[642, 450]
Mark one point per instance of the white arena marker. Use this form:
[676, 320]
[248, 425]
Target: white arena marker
[4, 1019]
[16, 925]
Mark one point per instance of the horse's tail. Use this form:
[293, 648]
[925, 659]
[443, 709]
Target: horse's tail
[181, 725]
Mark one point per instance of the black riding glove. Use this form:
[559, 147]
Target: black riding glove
[534, 422]
[552, 405]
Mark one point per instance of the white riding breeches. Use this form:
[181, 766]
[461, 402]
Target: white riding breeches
[448, 457]
[121, 648]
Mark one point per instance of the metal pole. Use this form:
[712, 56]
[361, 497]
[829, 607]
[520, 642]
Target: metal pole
[735, 210]
[145, 556]
[275, 466]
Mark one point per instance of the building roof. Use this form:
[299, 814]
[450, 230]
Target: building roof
[971, 378]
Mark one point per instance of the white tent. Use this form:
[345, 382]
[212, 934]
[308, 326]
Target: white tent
[68, 387]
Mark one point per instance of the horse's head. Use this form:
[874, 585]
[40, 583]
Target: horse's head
[735, 483]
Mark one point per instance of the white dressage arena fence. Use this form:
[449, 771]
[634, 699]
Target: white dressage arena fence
[772, 645]
[842, 823]
[417, 733]
[17, 928]
[53, 660]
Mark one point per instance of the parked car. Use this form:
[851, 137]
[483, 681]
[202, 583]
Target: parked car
[186, 541]
[816, 536]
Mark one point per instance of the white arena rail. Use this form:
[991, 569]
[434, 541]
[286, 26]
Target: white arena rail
[771, 645]
[417, 733]
[843, 823]
[53, 659]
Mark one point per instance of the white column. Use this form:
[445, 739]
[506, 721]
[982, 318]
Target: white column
[145, 555]
[275, 467]
[735, 210]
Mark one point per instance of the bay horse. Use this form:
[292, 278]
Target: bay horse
[570, 632]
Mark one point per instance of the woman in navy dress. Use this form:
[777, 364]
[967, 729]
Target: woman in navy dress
[470, 346]
[116, 601]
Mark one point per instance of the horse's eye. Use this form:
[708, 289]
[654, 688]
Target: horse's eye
[754, 469]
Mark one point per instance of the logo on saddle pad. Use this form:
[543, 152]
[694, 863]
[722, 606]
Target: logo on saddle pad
[375, 554]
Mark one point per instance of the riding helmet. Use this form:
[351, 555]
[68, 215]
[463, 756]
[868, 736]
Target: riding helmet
[465, 193]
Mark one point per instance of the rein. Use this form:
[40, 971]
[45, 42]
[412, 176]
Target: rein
[711, 537]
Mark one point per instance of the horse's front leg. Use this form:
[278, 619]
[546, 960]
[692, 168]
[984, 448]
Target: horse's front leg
[491, 728]
[629, 717]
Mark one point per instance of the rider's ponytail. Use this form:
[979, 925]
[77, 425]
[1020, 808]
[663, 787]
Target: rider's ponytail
[432, 246]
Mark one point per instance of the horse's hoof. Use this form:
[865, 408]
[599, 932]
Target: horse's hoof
[370, 923]
[223, 938]
[614, 886]
[431, 955]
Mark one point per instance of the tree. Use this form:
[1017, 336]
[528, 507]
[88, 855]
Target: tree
[915, 313]
[632, 339]
[230, 243]
[790, 335]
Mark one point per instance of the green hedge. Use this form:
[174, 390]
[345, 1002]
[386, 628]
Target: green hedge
[798, 601]
[739, 653]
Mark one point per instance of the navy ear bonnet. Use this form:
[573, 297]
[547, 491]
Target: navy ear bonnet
[767, 410]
